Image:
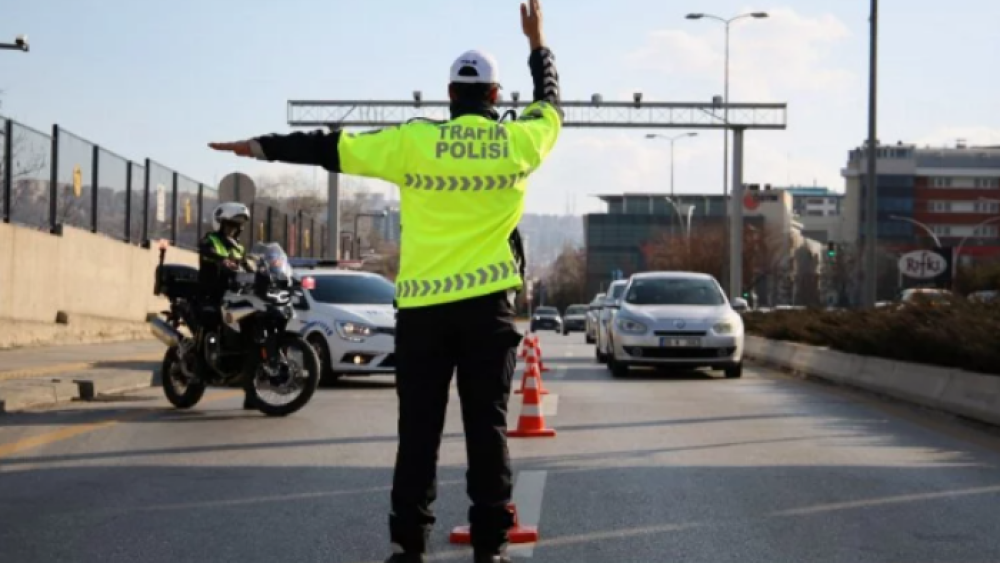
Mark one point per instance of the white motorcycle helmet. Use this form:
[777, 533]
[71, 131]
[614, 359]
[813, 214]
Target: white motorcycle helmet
[230, 212]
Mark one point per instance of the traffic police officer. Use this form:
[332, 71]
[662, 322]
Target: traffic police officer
[462, 188]
[220, 256]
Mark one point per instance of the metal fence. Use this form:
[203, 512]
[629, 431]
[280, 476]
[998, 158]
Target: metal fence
[48, 180]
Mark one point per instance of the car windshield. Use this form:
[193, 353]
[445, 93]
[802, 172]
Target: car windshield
[353, 290]
[674, 291]
[577, 310]
[616, 292]
[548, 311]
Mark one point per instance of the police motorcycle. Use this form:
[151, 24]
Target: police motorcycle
[279, 370]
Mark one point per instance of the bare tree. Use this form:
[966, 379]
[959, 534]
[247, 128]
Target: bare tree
[767, 268]
[565, 284]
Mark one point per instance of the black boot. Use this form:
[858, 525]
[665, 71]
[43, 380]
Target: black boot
[407, 558]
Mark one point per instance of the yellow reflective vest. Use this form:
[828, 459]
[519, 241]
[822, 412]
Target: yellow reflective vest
[462, 188]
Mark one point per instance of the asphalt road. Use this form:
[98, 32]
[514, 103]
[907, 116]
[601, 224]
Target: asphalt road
[656, 468]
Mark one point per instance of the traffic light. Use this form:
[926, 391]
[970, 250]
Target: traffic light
[831, 250]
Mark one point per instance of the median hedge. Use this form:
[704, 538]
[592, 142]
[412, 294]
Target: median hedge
[960, 334]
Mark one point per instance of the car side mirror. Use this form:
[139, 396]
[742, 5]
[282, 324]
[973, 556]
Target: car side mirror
[740, 305]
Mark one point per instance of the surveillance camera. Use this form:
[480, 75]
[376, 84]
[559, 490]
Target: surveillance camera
[637, 97]
[596, 99]
[717, 101]
[515, 95]
[22, 42]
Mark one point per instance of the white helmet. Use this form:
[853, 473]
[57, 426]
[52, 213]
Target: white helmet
[230, 212]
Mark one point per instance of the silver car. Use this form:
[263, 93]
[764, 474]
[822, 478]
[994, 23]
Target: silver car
[605, 316]
[594, 310]
[676, 319]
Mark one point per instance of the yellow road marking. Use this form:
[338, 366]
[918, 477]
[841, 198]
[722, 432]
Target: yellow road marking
[71, 367]
[48, 438]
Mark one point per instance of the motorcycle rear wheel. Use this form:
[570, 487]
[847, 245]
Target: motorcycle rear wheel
[310, 382]
[171, 374]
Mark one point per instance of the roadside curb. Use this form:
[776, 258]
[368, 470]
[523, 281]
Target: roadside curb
[21, 394]
[957, 392]
[59, 369]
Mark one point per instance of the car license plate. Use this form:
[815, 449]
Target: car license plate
[675, 342]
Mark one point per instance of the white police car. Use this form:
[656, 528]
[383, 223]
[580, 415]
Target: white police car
[347, 316]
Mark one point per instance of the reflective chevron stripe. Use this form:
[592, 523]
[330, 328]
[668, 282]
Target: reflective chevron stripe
[463, 183]
[459, 282]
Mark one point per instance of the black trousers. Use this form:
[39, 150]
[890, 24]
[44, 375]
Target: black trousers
[478, 338]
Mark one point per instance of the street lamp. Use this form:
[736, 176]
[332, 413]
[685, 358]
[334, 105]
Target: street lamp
[930, 231]
[725, 96]
[725, 101]
[961, 244]
[20, 44]
[357, 241]
[672, 141]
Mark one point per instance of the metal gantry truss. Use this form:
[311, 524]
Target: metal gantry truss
[594, 115]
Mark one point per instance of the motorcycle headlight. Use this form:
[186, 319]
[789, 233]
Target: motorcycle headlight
[724, 327]
[630, 326]
[354, 332]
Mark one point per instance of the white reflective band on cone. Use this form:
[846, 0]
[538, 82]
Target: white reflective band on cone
[531, 410]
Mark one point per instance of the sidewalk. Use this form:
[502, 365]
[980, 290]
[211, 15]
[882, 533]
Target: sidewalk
[49, 360]
[45, 376]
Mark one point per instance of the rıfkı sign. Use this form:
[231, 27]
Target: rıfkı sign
[923, 264]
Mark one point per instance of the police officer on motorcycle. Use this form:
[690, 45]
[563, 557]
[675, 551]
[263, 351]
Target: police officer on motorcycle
[220, 259]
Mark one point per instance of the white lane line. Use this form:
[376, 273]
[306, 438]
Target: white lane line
[550, 406]
[527, 497]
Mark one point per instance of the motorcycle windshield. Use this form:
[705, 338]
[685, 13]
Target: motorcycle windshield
[270, 255]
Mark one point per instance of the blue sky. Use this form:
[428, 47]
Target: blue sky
[161, 79]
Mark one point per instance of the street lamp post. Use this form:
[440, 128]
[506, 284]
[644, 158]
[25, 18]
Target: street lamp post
[725, 100]
[961, 244]
[672, 141]
[930, 231]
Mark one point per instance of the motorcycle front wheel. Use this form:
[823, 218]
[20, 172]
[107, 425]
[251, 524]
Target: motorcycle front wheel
[182, 391]
[285, 393]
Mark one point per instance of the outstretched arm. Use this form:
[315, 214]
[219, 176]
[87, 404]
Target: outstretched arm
[374, 154]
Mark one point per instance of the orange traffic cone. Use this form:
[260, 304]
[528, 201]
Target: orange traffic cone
[530, 360]
[517, 533]
[531, 423]
[538, 351]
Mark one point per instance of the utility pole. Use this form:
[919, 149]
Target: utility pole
[870, 271]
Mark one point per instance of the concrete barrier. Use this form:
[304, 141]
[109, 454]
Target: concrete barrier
[77, 273]
[968, 394]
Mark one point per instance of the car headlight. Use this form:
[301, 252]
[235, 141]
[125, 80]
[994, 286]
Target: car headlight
[354, 332]
[630, 326]
[724, 327]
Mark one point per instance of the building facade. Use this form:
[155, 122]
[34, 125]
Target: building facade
[952, 194]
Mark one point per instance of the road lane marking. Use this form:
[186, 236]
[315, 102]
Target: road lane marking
[559, 373]
[49, 438]
[528, 492]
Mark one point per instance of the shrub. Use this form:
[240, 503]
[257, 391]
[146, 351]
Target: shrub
[959, 334]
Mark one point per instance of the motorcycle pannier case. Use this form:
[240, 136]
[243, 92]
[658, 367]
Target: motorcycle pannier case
[176, 281]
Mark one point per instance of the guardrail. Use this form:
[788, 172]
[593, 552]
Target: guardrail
[48, 180]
